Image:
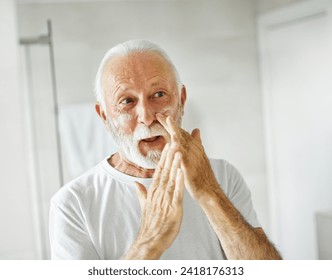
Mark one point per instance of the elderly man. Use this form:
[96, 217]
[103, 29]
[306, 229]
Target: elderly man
[159, 196]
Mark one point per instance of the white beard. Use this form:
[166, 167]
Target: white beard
[128, 144]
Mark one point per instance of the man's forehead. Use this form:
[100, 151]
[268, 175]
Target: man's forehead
[149, 67]
[137, 62]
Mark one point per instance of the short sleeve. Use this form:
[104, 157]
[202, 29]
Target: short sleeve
[236, 190]
[69, 238]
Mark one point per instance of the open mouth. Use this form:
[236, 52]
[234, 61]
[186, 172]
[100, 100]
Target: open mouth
[152, 139]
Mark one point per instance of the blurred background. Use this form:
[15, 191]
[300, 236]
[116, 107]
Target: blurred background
[258, 77]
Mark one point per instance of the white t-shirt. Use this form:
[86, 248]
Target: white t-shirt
[97, 216]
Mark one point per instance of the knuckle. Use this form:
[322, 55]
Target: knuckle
[164, 177]
[171, 183]
[176, 146]
[158, 170]
[165, 172]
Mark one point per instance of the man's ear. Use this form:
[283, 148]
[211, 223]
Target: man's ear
[100, 112]
[183, 97]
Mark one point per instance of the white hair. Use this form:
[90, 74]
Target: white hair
[132, 46]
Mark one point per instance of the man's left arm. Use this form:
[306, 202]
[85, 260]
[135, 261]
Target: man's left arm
[237, 237]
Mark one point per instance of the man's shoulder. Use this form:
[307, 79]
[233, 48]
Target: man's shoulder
[80, 187]
[222, 165]
[226, 174]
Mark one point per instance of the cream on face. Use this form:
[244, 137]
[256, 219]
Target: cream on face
[129, 144]
[122, 119]
[141, 85]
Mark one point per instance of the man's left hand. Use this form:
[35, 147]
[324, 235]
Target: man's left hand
[199, 177]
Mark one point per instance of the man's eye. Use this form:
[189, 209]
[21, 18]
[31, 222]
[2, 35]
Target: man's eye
[127, 101]
[159, 94]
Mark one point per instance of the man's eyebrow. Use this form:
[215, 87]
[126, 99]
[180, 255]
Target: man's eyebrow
[116, 92]
[157, 82]
[120, 89]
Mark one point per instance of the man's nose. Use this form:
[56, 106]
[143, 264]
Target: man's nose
[145, 113]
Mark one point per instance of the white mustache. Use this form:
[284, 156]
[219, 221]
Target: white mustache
[144, 132]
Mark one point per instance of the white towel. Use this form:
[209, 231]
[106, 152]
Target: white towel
[84, 138]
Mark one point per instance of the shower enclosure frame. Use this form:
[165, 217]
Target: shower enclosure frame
[36, 188]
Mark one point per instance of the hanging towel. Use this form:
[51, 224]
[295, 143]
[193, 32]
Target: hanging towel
[84, 138]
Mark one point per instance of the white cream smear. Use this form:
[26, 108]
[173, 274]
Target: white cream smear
[128, 144]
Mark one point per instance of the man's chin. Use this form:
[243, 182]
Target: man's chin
[150, 161]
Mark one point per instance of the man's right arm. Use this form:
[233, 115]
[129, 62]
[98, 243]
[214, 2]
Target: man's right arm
[162, 208]
[69, 238]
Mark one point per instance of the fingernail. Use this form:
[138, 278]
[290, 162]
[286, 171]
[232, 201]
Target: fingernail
[169, 119]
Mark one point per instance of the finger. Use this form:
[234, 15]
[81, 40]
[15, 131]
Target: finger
[165, 174]
[172, 178]
[175, 165]
[158, 184]
[196, 133]
[141, 193]
[168, 164]
[179, 188]
[173, 127]
[168, 123]
[185, 174]
[160, 193]
[171, 124]
[162, 120]
[157, 173]
[164, 155]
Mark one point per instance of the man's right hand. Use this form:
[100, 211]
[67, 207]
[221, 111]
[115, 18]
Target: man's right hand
[162, 207]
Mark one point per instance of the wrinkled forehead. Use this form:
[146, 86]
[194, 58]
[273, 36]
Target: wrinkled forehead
[139, 66]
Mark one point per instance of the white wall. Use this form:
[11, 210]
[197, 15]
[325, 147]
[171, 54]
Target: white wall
[17, 225]
[213, 44]
[296, 66]
[265, 6]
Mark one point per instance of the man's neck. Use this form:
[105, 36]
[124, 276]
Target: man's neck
[121, 164]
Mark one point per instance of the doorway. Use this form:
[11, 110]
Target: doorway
[296, 67]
